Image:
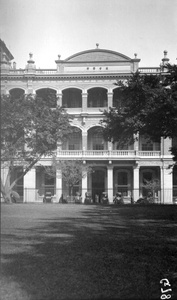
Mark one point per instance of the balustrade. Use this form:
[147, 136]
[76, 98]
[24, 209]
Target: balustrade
[149, 70]
[36, 71]
[149, 153]
[107, 153]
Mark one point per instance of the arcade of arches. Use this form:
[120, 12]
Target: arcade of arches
[124, 170]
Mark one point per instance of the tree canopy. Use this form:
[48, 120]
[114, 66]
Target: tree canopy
[30, 130]
[147, 105]
[72, 171]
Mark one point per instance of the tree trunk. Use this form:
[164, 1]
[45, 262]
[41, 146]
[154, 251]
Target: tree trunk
[71, 193]
[6, 192]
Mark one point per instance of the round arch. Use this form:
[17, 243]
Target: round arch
[72, 98]
[117, 97]
[99, 87]
[16, 92]
[49, 96]
[95, 139]
[71, 87]
[77, 126]
[97, 97]
[74, 140]
[45, 87]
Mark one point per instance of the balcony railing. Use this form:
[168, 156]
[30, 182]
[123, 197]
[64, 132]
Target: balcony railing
[149, 70]
[107, 154]
[35, 71]
[149, 153]
[153, 70]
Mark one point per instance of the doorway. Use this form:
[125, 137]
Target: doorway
[98, 183]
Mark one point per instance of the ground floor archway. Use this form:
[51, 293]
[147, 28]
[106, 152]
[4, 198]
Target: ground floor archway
[98, 183]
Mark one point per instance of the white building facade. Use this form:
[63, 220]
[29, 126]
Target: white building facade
[85, 85]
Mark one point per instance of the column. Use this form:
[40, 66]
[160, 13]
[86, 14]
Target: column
[136, 142]
[84, 140]
[110, 183]
[136, 170]
[166, 146]
[110, 99]
[59, 148]
[4, 174]
[110, 146]
[30, 89]
[58, 184]
[59, 99]
[30, 186]
[84, 102]
[84, 185]
[167, 185]
[162, 185]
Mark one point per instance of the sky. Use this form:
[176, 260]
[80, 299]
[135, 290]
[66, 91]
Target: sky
[48, 28]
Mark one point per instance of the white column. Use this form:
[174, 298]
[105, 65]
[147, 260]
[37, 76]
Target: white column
[167, 187]
[136, 142]
[136, 183]
[84, 102]
[30, 186]
[4, 174]
[110, 99]
[59, 98]
[110, 183]
[84, 140]
[110, 146]
[58, 185]
[84, 185]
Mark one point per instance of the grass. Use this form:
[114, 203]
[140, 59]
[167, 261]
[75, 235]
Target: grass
[77, 252]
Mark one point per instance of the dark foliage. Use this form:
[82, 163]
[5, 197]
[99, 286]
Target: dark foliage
[148, 107]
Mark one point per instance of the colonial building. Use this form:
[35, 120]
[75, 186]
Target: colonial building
[85, 84]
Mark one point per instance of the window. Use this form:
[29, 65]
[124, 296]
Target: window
[147, 176]
[98, 142]
[147, 146]
[49, 182]
[72, 98]
[122, 178]
[123, 147]
[122, 183]
[175, 176]
[117, 98]
[48, 96]
[97, 97]
[74, 141]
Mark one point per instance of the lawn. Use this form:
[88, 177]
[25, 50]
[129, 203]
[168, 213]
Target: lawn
[77, 252]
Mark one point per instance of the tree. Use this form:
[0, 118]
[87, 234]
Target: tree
[148, 105]
[152, 186]
[30, 130]
[72, 171]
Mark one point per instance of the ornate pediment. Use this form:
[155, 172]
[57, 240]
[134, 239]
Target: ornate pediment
[97, 55]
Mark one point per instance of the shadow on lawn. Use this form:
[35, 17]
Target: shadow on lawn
[101, 252]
